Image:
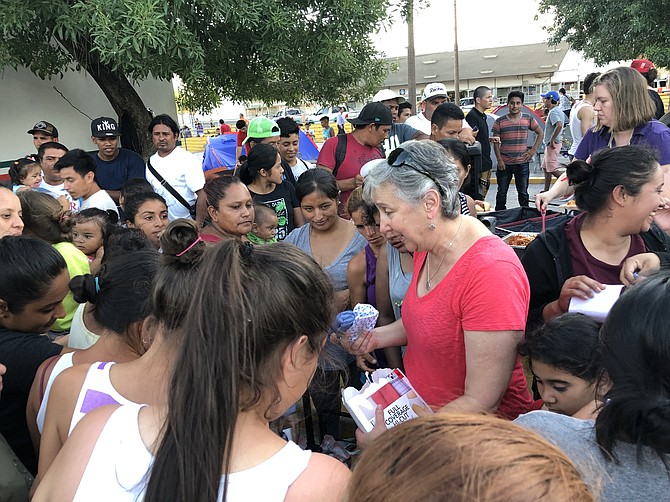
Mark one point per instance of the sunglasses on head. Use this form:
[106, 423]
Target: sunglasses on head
[399, 157]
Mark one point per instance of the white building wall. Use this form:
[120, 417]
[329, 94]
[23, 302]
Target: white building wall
[26, 99]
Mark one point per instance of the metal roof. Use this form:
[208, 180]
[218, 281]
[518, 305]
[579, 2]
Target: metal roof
[530, 59]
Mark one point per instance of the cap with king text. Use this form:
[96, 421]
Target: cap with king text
[104, 127]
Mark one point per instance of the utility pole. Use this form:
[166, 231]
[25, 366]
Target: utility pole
[411, 57]
[457, 76]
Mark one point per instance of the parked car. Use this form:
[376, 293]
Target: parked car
[467, 104]
[288, 112]
[333, 112]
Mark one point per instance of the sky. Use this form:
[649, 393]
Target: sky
[481, 24]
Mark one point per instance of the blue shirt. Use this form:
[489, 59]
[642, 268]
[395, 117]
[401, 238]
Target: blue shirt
[112, 174]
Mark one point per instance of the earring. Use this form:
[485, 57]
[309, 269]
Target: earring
[432, 225]
[146, 341]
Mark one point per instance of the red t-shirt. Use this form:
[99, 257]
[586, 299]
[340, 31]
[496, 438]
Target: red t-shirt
[241, 136]
[486, 290]
[356, 156]
[224, 128]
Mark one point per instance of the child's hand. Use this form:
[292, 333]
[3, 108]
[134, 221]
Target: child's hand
[64, 202]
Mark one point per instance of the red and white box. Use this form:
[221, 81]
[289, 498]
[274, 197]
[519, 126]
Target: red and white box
[392, 390]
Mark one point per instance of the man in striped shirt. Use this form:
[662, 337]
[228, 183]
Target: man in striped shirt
[511, 149]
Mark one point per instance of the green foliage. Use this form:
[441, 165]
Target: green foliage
[614, 30]
[272, 50]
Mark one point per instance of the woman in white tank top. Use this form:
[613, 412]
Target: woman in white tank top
[151, 288]
[256, 325]
[118, 298]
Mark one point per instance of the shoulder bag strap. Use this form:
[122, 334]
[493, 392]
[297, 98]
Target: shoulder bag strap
[168, 187]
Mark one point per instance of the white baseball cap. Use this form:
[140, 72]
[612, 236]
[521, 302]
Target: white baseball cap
[386, 94]
[434, 89]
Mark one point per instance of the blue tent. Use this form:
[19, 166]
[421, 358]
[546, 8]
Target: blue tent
[220, 152]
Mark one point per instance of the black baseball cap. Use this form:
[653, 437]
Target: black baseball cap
[104, 127]
[373, 113]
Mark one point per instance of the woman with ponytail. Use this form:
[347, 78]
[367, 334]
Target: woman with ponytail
[165, 298]
[625, 453]
[619, 193]
[251, 353]
[44, 218]
[118, 301]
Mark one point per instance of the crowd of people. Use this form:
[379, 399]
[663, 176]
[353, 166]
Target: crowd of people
[154, 323]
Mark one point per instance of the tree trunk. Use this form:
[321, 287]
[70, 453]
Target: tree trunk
[411, 57]
[129, 107]
[457, 70]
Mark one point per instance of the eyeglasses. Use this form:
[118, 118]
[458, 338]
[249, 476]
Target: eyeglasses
[398, 157]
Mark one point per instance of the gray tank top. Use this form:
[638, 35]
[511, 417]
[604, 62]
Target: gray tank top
[398, 280]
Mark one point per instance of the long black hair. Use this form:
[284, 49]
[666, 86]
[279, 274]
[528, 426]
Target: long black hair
[29, 267]
[238, 329]
[569, 342]
[630, 166]
[636, 355]
[262, 157]
[119, 293]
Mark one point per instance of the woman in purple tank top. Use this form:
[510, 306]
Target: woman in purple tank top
[362, 268]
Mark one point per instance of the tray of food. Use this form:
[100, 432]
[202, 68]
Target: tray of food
[569, 206]
[519, 240]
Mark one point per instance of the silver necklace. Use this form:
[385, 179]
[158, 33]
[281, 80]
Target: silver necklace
[428, 279]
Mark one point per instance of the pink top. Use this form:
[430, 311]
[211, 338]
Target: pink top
[486, 290]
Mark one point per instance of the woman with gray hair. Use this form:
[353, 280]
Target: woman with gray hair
[466, 307]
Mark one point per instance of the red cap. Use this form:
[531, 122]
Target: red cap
[642, 65]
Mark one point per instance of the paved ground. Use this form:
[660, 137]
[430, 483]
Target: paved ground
[536, 185]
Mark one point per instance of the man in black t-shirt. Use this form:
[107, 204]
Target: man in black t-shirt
[477, 120]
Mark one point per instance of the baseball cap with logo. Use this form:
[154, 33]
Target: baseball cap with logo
[642, 65]
[373, 113]
[433, 90]
[262, 127]
[387, 94]
[45, 127]
[553, 95]
[104, 127]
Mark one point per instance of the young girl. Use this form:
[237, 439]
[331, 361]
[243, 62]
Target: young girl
[91, 227]
[46, 219]
[263, 175]
[33, 283]
[625, 452]
[264, 229]
[26, 174]
[210, 440]
[148, 212]
[564, 358]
